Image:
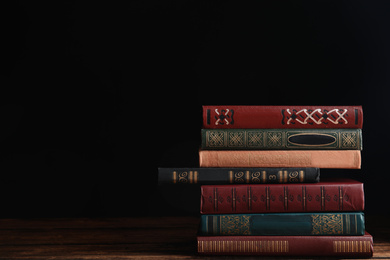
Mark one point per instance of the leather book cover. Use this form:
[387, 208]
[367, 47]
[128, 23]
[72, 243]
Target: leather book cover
[344, 159]
[282, 117]
[237, 175]
[284, 224]
[298, 246]
[330, 195]
[281, 139]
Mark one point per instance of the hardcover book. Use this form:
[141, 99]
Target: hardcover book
[283, 224]
[282, 139]
[237, 175]
[347, 159]
[282, 117]
[304, 246]
[331, 195]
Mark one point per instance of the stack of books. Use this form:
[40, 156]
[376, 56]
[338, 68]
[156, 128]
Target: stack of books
[261, 191]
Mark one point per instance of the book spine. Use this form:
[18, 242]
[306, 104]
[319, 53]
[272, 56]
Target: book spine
[282, 139]
[282, 117]
[320, 197]
[304, 246]
[347, 159]
[237, 175]
[283, 224]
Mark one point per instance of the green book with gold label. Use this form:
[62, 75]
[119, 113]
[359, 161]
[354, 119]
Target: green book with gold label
[282, 139]
[283, 224]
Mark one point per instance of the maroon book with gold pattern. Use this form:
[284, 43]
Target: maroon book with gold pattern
[282, 117]
[303, 246]
[332, 195]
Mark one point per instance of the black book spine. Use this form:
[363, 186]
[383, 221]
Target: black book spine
[237, 175]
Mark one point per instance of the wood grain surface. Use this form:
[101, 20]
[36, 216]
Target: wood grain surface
[126, 238]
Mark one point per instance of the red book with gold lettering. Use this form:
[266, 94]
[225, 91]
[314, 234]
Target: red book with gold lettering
[331, 195]
[282, 117]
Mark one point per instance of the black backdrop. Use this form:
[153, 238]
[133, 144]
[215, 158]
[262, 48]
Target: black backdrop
[96, 96]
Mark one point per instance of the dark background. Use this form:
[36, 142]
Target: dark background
[95, 97]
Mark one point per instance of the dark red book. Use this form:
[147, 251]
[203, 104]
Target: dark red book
[282, 117]
[337, 246]
[333, 195]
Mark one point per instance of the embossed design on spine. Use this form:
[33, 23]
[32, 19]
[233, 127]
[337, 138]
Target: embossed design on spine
[267, 206]
[247, 246]
[249, 190]
[304, 198]
[234, 199]
[341, 198]
[224, 117]
[185, 177]
[215, 199]
[234, 225]
[285, 191]
[327, 224]
[317, 116]
[342, 246]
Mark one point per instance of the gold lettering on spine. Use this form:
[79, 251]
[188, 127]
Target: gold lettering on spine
[301, 176]
[280, 175]
[264, 177]
[285, 177]
[231, 176]
[195, 177]
[247, 177]
[191, 176]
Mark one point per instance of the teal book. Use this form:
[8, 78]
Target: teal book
[284, 224]
[282, 139]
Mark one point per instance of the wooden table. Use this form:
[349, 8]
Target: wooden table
[126, 238]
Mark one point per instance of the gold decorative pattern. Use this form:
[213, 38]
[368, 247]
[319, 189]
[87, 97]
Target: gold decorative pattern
[247, 246]
[351, 246]
[234, 225]
[348, 140]
[327, 224]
